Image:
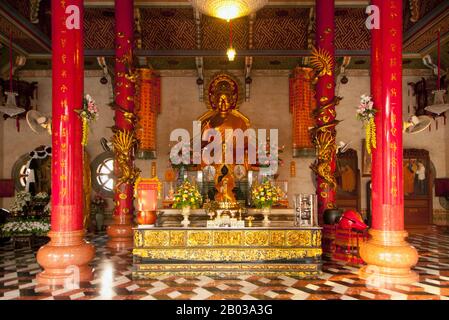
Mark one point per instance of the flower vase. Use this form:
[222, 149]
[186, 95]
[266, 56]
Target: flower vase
[266, 211]
[185, 211]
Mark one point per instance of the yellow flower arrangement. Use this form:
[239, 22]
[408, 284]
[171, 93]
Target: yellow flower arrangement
[187, 195]
[266, 194]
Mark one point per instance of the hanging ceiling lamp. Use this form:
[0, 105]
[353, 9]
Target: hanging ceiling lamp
[231, 51]
[10, 107]
[439, 105]
[228, 9]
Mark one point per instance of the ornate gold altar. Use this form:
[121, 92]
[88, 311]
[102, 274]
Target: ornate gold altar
[227, 243]
[227, 251]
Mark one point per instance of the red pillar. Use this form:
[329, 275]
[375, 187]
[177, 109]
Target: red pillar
[388, 255]
[326, 101]
[120, 232]
[67, 247]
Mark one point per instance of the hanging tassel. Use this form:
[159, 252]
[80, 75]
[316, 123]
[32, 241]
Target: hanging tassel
[85, 131]
[409, 99]
[373, 133]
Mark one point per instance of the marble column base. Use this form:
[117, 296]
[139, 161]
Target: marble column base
[389, 259]
[65, 259]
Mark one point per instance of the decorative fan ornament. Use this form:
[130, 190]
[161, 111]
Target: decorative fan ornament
[38, 122]
[417, 124]
[228, 9]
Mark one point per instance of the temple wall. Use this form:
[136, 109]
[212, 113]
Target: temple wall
[267, 109]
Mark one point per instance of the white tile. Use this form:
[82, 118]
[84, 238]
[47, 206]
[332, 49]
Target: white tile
[14, 293]
[248, 297]
[202, 294]
[247, 287]
[174, 294]
[287, 281]
[148, 297]
[16, 281]
[312, 286]
[348, 280]
[180, 280]
[271, 294]
[264, 280]
[297, 294]
[223, 286]
[132, 287]
[368, 295]
[77, 295]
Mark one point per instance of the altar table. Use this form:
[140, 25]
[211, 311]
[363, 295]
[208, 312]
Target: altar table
[267, 251]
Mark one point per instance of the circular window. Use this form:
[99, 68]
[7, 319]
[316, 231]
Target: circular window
[102, 169]
[42, 167]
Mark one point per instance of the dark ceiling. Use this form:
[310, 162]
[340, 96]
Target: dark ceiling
[277, 39]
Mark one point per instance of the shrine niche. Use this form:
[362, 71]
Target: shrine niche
[348, 180]
[418, 174]
[229, 183]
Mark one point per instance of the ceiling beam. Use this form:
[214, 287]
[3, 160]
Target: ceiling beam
[217, 53]
[425, 24]
[25, 26]
[15, 46]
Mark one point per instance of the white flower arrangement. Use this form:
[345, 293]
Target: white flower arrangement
[14, 228]
[41, 196]
[21, 201]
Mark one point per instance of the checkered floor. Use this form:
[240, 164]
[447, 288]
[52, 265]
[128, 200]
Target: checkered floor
[112, 280]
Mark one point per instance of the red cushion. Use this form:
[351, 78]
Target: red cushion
[6, 188]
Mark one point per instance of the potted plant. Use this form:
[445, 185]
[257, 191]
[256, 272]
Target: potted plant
[98, 207]
[264, 196]
[186, 197]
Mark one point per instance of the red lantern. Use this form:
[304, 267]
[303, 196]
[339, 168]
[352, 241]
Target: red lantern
[147, 192]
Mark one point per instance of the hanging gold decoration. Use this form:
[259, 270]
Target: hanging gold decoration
[366, 113]
[324, 134]
[321, 61]
[125, 143]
